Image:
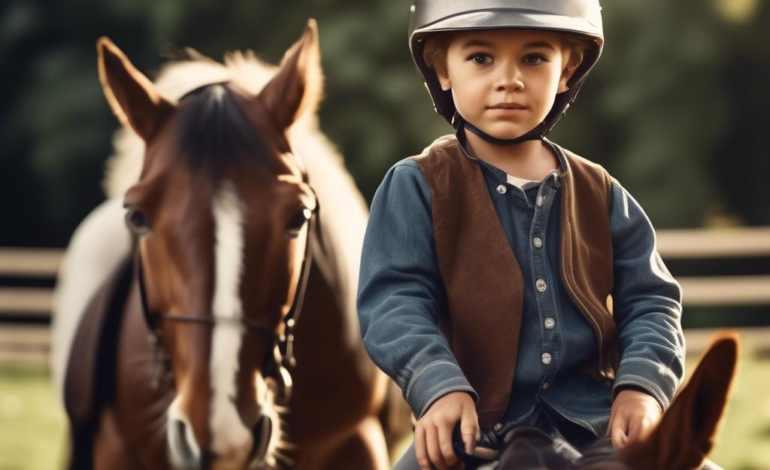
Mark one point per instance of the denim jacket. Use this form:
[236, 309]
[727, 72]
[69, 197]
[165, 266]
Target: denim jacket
[400, 287]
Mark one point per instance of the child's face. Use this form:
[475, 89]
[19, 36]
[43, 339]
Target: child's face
[487, 68]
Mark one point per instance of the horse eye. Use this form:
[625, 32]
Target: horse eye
[137, 222]
[297, 222]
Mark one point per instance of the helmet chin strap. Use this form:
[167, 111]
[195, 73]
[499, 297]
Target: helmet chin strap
[534, 134]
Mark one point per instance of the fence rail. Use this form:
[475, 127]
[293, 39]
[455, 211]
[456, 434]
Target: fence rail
[30, 262]
[32, 342]
[699, 243]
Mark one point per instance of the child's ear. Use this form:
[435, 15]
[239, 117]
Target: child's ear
[575, 58]
[443, 76]
[446, 84]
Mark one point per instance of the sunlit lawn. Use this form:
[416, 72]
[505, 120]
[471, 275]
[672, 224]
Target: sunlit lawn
[32, 435]
[31, 426]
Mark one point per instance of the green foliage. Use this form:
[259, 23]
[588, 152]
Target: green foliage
[673, 109]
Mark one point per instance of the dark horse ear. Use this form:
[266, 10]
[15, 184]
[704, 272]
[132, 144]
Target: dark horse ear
[132, 96]
[688, 429]
[298, 86]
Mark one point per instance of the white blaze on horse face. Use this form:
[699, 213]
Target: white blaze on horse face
[230, 438]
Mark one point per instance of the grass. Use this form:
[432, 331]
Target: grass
[32, 426]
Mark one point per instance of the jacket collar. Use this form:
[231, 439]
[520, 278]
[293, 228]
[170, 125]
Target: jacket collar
[499, 175]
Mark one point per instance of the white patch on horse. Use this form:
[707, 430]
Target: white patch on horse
[229, 437]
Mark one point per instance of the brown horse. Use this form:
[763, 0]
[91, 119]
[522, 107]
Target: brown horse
[681, 441]
[226, 217]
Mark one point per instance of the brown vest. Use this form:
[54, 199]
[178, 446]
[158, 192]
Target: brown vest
[476, 259]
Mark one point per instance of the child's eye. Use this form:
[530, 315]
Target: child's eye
[481, 59]
[534, 59]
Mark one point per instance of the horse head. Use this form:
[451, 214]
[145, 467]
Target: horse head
[682, 439]
[221, 216]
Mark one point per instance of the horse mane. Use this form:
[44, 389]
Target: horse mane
[343, 210]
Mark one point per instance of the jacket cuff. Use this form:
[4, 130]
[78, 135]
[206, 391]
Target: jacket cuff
[654, 378]
[434, 381]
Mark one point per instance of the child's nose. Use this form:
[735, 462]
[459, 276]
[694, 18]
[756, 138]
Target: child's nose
[509, 78]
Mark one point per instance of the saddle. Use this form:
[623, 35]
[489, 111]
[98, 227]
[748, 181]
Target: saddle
[91, 365]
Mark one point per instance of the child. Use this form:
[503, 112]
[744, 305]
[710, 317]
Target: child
[491, 261]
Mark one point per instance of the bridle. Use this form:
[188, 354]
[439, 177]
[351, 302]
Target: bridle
[277, 363]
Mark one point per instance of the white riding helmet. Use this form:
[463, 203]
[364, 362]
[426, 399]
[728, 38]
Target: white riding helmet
[581, 17]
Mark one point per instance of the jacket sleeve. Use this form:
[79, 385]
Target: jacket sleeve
[647, 305]
[400, 288]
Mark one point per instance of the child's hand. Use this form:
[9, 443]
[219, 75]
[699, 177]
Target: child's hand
[433, 433]
[634, 414]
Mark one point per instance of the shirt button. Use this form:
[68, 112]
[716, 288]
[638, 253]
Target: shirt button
[539, 201]
[546, 358]
[501, 189]
[537, 242]
[546, 385]
[549, 323]
[540, 284]
[498, 426]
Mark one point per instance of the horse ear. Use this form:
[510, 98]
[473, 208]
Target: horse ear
[297, 88]
[688, 429]
[132, 96]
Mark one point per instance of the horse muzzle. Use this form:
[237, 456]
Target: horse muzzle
[241, 454]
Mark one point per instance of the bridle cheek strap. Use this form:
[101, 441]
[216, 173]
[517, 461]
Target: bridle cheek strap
[282, 358]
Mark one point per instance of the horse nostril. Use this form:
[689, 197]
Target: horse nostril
[183, 448]
[261, 433]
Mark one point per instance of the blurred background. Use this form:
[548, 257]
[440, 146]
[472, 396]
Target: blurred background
[674, 109]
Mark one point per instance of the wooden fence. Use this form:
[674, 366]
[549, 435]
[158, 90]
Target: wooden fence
[25, 311]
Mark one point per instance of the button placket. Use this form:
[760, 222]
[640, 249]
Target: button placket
[541, 271]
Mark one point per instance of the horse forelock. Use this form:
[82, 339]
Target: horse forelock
[214, 131]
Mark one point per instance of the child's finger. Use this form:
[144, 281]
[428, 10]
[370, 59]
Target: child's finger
[434, 449]
[420, 449]
[469, 428]
[634, 428]
[619, 431]
[445, 444]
